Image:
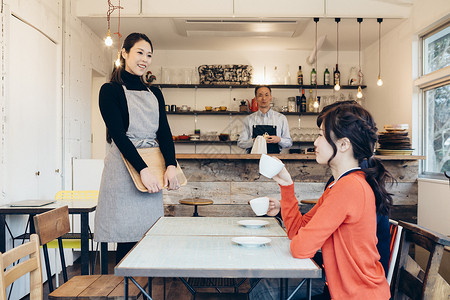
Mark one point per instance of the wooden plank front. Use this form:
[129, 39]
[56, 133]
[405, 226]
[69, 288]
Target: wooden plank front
[133, 291]
[102, 287]
[72, 288]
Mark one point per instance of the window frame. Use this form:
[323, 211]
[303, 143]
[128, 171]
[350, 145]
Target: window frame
[424, 83]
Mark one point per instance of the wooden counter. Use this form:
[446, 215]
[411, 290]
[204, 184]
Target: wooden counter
[285, 156]
[231, 180]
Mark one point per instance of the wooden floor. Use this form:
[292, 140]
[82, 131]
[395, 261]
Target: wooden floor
[175, 289]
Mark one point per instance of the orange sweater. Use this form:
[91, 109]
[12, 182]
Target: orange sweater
[343, 223]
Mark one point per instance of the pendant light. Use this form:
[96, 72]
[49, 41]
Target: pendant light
[316, 102]
[379, 81]
[337, 85]
[359, 94]
[111, 9]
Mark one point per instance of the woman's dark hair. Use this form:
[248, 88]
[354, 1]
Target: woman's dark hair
[352, 121]
[261, 86]
[128, 43]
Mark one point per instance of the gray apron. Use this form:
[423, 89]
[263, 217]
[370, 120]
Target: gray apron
[123, 213]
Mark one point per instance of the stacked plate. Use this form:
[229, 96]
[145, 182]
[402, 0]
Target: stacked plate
[394, 140]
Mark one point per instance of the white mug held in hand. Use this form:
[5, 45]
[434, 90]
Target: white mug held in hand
[269, 166]
[260, 205]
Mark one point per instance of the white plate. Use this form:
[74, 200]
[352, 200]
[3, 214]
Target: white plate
[251, 241]
[253, 223]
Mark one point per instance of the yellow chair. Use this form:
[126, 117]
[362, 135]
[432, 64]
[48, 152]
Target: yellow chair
[31, 265]
[72, 241]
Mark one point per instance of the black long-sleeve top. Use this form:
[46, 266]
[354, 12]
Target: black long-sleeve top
[114, 110]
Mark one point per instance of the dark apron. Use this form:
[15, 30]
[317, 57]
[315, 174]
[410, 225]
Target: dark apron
[270, 130]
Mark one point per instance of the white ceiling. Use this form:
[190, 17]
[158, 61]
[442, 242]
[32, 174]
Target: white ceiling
[244, 34]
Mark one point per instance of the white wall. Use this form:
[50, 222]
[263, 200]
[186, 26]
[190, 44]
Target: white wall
[86, 56]
[79, 51]
[397, 101]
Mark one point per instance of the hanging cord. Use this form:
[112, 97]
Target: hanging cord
[118, 27]
[379, 20]
[337, 39]
[317, 53]
[359, 43]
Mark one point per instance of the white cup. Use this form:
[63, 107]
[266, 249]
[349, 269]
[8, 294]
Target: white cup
[269, 166]
[260, 205]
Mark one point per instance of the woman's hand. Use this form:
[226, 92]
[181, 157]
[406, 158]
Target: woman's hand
[274, 207]
[283, 178]
[170, 178]
[150, 181]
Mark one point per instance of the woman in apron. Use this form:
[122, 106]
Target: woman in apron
[135, 117]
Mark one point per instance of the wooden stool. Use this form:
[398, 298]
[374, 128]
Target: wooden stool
[309, 201]
[196, 202]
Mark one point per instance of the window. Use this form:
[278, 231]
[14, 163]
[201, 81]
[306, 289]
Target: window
[436, 100]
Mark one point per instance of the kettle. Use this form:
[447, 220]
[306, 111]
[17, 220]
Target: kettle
[253, 106]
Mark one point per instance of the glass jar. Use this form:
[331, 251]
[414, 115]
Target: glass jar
[291, 104]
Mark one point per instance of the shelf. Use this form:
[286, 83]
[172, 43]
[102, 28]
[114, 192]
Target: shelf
[231, 142]
[252, 86]
[227, 112]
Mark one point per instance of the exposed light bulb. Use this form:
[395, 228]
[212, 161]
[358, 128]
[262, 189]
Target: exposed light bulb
[379, 81]
[316, 104]
[108, 39]
[359, 94]
[117, 62]
[337, 87]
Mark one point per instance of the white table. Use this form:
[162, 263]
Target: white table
[214, 226]
[207, 255]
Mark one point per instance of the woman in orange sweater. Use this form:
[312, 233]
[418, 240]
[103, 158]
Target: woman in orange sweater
[343, 222]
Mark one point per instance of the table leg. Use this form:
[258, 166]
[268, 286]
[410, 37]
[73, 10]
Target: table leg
[308, 288]
[104, 257]
[2, 233]
[125, 286]
[84, 244]
[282, 295]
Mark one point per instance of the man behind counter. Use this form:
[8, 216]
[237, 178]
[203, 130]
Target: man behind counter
[265, 120]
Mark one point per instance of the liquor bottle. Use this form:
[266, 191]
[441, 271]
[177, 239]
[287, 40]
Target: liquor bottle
[298, 100]
[310, 103]
[326, 77]
[316, 104]
[337, 76]
[300, 76]
[313, 77]
[303, 102]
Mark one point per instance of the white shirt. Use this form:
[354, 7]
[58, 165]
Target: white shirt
[270, 118]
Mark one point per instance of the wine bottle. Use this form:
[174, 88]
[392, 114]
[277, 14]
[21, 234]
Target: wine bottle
[337, 76]
[326, 77]
[313, 77]
[300, 76]
[303, 101]
[310, 103]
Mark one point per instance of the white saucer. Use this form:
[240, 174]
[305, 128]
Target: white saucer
[253, 223]
[251, 241]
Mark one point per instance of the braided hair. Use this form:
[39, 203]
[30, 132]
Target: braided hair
[352, 121]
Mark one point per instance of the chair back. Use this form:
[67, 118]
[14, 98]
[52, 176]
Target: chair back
[77, 195]
[31, 265]
[49, 226]
[411, 280]
[395, 234]
[52, 224]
